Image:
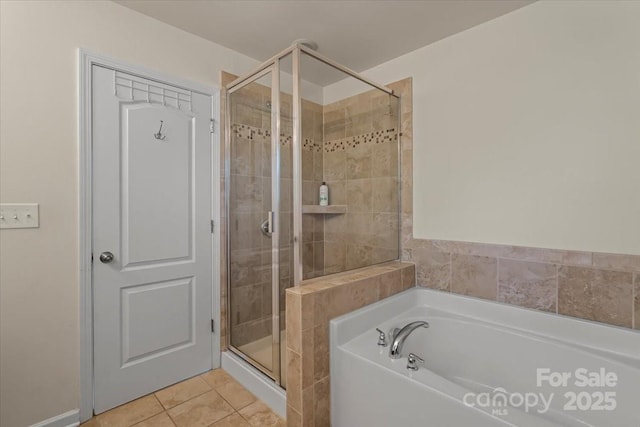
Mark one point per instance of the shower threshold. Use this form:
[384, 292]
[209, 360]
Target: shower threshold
[262, 352]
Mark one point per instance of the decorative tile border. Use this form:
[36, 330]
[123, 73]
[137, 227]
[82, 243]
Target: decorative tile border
[252, 133]
[376, 137]
[310, 145]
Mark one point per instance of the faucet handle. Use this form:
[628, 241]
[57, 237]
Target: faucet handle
[412, 362]
[382, 338]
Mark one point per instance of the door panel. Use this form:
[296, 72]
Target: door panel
[166, 306]
[152, 211]
[169, 209]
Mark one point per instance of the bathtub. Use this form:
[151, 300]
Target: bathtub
[485, 364]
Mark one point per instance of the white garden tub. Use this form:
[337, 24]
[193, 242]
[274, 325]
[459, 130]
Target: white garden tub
[486, 364]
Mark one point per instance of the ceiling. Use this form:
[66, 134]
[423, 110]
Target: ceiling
[357, 34]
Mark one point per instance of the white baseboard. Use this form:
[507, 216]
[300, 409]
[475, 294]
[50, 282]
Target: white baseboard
[68, 419]
[254, 381]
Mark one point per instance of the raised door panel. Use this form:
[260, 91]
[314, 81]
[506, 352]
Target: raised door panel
[157, 196]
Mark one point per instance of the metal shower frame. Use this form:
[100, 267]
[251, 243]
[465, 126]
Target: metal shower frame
[272, 66]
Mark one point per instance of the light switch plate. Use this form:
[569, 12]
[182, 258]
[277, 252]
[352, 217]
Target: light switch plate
[19, 215]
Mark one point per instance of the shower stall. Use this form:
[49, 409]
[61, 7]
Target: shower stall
[299, 120]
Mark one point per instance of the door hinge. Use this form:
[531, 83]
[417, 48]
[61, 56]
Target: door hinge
[92, 258]
[213, 329]
[212, 126]
[213, 226]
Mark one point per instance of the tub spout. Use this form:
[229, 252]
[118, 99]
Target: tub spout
[403, 334]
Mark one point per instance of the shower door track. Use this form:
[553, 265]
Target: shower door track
[314, 54]
[253, 363]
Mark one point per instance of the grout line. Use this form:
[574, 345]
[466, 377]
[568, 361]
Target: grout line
[634, 277]
[450, 272]
[557, 288]
[192, 397]
[170, 418]
[166, 410]
[497, 278]
[152, 415]
[159, 413]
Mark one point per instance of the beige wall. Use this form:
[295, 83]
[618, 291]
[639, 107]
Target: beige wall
[39, 326]
[526, 128]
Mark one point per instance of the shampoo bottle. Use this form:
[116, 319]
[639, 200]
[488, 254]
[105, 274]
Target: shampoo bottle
[324, 194]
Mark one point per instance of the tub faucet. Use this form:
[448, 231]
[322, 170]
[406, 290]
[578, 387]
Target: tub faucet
[403, 334]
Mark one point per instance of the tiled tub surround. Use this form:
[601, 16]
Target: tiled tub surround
[592, 286]
[309, 309]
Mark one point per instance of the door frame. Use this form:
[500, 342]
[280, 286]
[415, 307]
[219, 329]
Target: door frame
[86, 60]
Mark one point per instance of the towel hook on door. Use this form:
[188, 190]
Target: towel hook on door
[159, 135]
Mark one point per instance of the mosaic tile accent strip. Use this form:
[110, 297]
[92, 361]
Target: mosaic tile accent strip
[264, 135]
[310, 145]
[376, 137]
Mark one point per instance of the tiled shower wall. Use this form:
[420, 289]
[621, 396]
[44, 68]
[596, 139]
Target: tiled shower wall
[361, 170]
[587, 285]
[359, 161]
[312, 177]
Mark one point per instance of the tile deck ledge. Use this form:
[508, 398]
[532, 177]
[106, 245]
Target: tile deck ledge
[337, 279]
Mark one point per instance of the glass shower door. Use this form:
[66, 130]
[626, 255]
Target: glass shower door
[252, 220]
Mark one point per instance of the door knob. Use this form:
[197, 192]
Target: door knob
[106, 257]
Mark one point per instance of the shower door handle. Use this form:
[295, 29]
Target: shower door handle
[267, 225]
[270, 220]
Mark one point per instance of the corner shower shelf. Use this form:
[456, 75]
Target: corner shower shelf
[331, 209]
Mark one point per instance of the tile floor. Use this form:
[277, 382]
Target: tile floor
[213, 399]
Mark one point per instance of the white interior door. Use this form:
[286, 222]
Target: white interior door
[152, 242]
